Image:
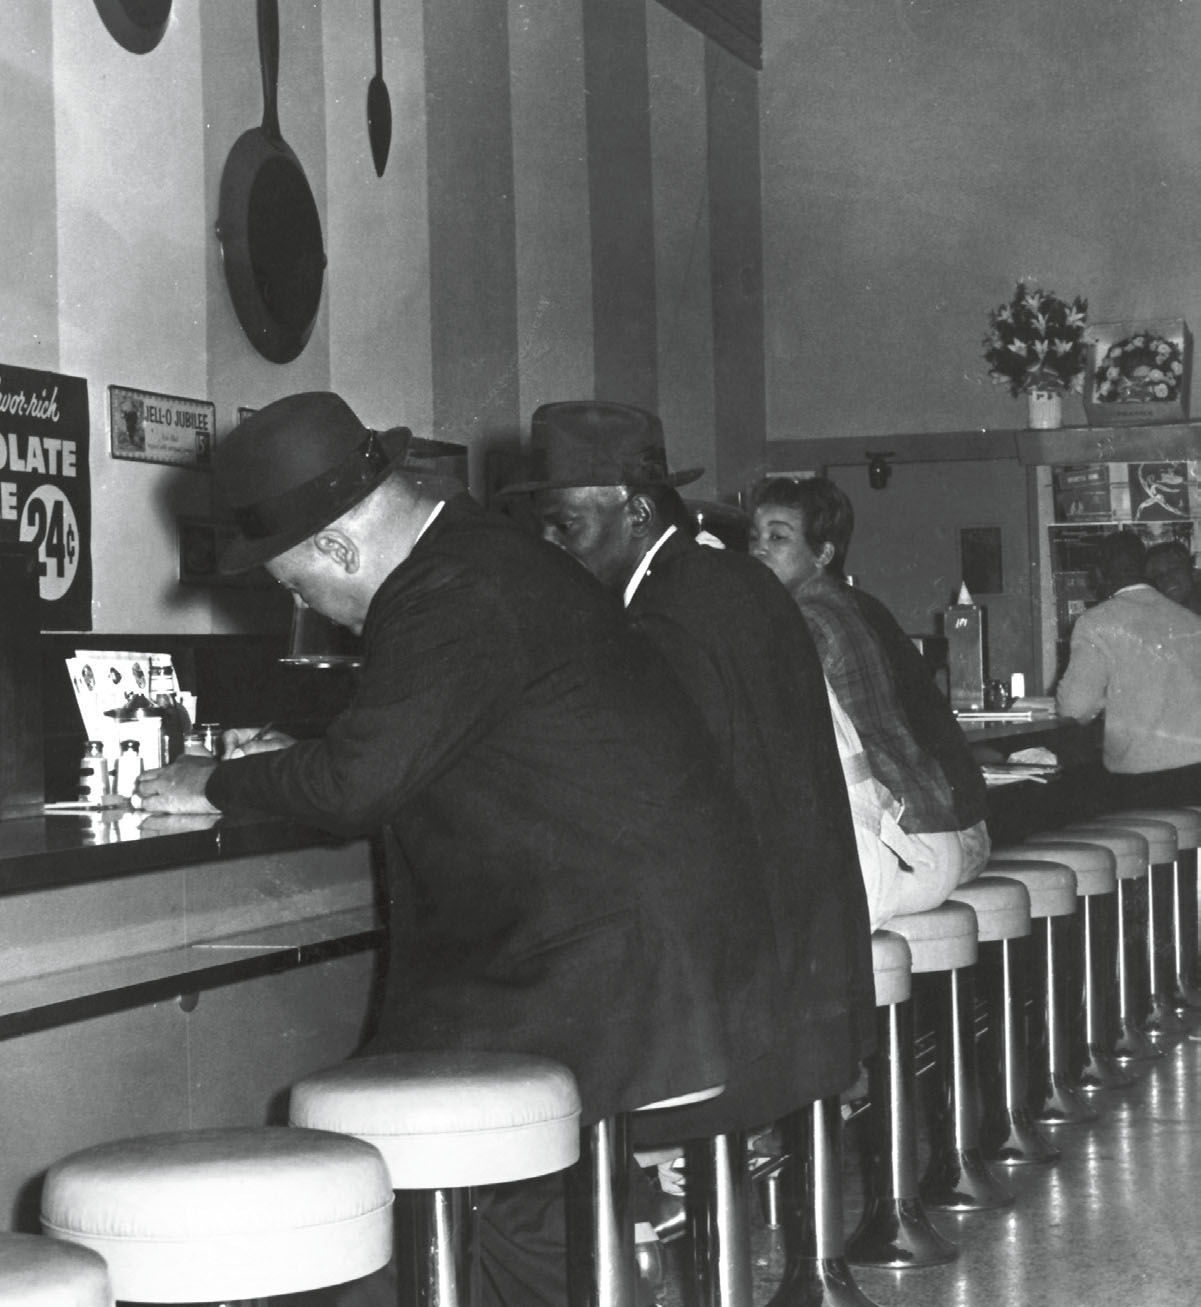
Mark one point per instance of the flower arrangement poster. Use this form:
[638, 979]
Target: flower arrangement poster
[45, 488]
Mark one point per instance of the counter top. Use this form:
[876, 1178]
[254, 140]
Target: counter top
[81, 845]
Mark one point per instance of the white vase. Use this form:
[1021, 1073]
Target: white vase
[1045, 409]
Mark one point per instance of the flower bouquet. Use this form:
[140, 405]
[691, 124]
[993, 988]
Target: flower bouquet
[1140, 372]
[1036, 342]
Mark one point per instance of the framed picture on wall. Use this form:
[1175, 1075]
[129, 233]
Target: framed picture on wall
[980, 559]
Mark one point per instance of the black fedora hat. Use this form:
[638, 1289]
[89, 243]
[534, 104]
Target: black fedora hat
[594, 442]
[295, 466]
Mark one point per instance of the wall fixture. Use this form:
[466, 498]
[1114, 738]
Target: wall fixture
[878, 469]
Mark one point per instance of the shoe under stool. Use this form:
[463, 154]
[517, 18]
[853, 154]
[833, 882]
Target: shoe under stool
[1131, 1047]
[1183, 993]
[895, 1230]
[1052, 1097]
[1161, 1023]
[40, 1272]
[224, 1216]
[1008, 1134]
[943, 947]
[446, 1123]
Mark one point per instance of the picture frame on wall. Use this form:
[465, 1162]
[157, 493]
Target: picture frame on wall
[1139, 372]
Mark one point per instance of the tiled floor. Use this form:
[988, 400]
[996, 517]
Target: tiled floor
[1115, 1221]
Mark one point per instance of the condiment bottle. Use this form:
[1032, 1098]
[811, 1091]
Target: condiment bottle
[164, 695]
[93, 774]
[129, 768]
[194, 742]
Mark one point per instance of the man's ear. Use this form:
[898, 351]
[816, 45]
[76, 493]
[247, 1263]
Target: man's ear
[825, 555]
[334, 543]
[640, 508]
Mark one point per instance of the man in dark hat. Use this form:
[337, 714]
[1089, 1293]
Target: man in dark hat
[575, 878]
[740, 648]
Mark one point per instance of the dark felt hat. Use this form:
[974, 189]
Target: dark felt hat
[295, 466]
[592, 442]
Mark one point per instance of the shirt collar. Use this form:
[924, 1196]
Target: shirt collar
[645, 566]
[429, 521]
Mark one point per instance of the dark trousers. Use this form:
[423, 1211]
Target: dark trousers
[1155, 789]
[522, 1251]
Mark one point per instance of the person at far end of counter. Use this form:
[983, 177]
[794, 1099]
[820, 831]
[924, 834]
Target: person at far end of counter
[1169, 568]
[572, 875]
[602, 490]
[914, 746]
[1136, 658]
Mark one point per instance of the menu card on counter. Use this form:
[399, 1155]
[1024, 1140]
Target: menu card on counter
[104, 680]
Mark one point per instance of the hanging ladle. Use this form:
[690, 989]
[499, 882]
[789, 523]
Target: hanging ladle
[379, 106]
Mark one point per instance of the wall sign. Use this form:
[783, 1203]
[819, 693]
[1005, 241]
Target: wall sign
[45, 488]
[152, 428]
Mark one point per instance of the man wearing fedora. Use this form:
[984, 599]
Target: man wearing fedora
[574, 875]
[602, 489]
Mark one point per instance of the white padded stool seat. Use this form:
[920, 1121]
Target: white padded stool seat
[1051, 885]
[1160, 835]
[210, 1215]
[939, 939]
[1002, 907]
[40, 1272]
[449, 1120]
[1131, 853]
[1095, 866]
[892, 968]
[1185, 821]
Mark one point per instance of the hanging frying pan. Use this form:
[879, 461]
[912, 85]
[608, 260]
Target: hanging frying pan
[268, 225]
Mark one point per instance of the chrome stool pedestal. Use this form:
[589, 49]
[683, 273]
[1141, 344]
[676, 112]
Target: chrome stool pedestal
[1053, 1098]
[895, 1230]
[1161, 1024]
[816, 1273]
[1007, 1132]
[1130, 1043]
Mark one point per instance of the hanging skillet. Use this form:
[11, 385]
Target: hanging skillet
[268, 224]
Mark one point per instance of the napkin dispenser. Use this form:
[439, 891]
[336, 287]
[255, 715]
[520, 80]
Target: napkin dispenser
[22, 763]
[963, 626]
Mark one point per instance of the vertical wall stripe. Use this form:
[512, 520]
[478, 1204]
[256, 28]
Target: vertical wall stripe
[550, 170]
[679, 150]
[471, 219]
[619, 188]
[737, 269]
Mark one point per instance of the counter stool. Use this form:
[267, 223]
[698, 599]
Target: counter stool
[1092, 1012]
[894, 1230]
[40, 1272]
[1091, 972]
[716, 1210]
[1133, 868]
[446, 1122]
[1007, 1132]
[1051, 1097]
[1162, 1025]
[204, 1216]
[1183, 993]
[943, 948]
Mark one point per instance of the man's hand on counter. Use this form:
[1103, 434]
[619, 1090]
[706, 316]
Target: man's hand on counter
[178, 787]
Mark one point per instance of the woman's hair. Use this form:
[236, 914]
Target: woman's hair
[827, 516]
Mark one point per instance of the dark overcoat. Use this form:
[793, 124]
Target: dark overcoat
[741, 648]
[577, 878]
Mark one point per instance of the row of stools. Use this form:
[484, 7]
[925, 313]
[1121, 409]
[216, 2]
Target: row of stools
[1068, 961]
[1044, 983]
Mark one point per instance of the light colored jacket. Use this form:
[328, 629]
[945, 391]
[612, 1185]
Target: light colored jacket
[1136, 657]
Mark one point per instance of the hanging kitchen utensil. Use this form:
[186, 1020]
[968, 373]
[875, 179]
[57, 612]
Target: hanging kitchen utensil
[138, 25]
[379, 106]
[268, 225]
